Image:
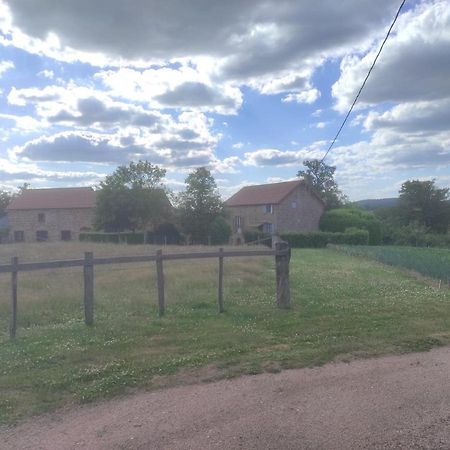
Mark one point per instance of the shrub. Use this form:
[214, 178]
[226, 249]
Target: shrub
[113, 238]
[166, 233]
[339, 220]
[321, 239]
[220, 231]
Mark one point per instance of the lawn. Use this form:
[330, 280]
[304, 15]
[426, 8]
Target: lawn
[432, 262]
[343, 308]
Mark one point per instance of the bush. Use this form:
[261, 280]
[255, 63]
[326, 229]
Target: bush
[339, 220]
[220, 231]
[414, 235]
[166, 233]
[321, 239]
[113, 238]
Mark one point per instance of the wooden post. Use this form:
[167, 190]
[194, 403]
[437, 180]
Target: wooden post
[14, 270]
[220, 289]
[160, 279]
[282, 275]
[89, 288]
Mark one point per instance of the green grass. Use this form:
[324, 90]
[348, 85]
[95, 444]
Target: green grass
[432, 262]
[343, 307]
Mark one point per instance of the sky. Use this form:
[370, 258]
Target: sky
[249, 89]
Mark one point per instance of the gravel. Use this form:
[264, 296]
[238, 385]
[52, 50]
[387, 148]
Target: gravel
[393, 402]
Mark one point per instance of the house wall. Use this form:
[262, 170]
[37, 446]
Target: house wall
[56, 220]
[304, 217]
[253, 216]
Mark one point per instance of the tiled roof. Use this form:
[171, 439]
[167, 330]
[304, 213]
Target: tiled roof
[59, 198]
[263, 194]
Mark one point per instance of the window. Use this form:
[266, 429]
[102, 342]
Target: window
[41, 217]
[267, 227]
[19, 236]
[237, 223]
[42, 235]
[294, 204]
[268, 209]
[66, 235]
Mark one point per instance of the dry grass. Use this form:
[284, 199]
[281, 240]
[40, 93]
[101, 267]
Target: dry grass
[52, 296]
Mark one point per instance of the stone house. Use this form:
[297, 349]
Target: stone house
[287, 207]
[51, 214]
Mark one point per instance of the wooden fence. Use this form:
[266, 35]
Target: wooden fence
[281, 253]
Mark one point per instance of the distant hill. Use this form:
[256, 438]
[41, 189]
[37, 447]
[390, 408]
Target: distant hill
[376, 203]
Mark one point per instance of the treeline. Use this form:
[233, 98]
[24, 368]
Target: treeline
[134, 205]
[420, 217]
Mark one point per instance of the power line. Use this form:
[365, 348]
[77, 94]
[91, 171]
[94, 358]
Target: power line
[364, 82]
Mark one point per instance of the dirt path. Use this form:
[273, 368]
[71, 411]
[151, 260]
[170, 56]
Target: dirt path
[400, 402]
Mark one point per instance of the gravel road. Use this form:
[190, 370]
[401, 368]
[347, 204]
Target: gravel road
[394, 402]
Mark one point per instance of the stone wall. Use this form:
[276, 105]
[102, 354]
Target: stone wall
[55, 221]
[305, 216]
[253, 216]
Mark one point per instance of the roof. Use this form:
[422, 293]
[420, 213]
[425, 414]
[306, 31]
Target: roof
[59, 198]
[263, 193]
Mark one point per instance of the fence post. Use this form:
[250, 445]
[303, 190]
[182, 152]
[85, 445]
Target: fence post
[282, 274]
[88, 288]
[160, 280]
[220, 289]
[14, 270]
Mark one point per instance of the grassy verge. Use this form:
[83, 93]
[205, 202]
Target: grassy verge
[343, 308]
[432, 262]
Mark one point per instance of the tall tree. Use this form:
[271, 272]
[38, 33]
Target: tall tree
[199, 204]
[320, 176]
[132, 197]
[424, 204]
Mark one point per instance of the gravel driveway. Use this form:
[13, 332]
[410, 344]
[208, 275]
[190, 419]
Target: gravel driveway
[400, 402]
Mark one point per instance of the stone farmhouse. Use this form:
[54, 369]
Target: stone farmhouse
[287, 207]
[51, 214]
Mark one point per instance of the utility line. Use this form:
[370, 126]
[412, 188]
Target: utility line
[364, 82]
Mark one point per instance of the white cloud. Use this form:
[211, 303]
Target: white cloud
[15, 173]
[21, 123]
[5, 65]
[308, 96]
[46, 74]
[414, 65]
[272, 46]
[278, 158]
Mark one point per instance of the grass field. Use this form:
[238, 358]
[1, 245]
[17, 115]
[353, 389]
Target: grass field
[431, 262]
[343, 308]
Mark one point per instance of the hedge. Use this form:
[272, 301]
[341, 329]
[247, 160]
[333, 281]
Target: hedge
[321, 239]
[113, 238]
[339, 220]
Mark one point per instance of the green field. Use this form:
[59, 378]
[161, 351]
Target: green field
[431, 262]
[343, 308]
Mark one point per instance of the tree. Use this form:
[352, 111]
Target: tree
[320, 176]
[132, 197]
[423, 204]
[5, 199]
[200, 204]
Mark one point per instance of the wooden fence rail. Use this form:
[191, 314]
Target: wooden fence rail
[281, 253]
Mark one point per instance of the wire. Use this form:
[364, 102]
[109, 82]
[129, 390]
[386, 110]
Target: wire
[365, 80]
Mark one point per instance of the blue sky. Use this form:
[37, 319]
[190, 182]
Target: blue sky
[249, 89]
